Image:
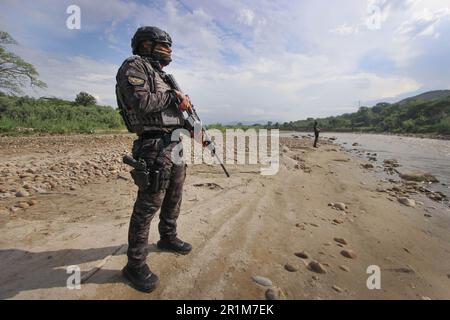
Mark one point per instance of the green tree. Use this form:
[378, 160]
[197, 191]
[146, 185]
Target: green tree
[85, 99]
[15, 72]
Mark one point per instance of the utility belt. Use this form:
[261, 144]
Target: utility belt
[166, 137]
[149, 179]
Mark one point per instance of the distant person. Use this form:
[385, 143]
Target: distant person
[316, 134]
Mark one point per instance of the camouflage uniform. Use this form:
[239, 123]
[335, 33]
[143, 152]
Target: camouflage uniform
[142, 90]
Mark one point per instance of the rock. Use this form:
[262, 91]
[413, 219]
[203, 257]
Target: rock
[271, 294]
[403, 270]
[425, 298]
[338, 221]
[448, 275]
[427, 215]
[355, 144]
[348, 254]
[344, 268]
[418, 176]
[290, 268]
[72, 187]
[266, 282]
[391, 163]
[339, 205]
[341, 241]
[337, 289]
[407, 202]
[32, 202]
[6, 195]
[300, 226]
[368, 166]
[274, 294]
[302, 255]
[23, 205]
[316, 267]
[22, 193]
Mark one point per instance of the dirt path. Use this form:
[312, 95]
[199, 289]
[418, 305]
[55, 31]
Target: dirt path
[245, 226]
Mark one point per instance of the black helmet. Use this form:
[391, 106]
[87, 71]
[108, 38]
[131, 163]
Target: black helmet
[149, 33]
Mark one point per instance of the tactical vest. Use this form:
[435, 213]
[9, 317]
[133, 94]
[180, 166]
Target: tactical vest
[136, 121]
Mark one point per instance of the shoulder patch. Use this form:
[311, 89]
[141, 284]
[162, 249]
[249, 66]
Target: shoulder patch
[135, 81]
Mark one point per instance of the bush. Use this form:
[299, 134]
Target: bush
[55, 116]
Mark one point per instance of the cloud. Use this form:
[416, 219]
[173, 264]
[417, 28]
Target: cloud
[247, 60]
[67, 76]
[346, 29]
[246, 16]
[423, 24]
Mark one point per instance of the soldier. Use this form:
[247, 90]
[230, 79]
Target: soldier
[151, 109]
[316, 134]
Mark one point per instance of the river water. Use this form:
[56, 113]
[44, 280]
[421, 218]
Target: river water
[413, 154]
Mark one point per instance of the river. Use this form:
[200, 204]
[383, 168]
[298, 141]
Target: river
[413, 154]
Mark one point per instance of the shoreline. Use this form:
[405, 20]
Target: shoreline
[411, 135]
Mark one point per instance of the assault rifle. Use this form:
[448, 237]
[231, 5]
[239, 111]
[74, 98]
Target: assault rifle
[192, 121]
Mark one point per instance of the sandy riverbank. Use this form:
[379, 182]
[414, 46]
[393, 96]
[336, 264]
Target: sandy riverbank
[245, 226]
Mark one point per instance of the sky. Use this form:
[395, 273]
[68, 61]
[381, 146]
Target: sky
[245, 61]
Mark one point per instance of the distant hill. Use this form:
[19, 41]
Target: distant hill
[427, 96]
[428, 112]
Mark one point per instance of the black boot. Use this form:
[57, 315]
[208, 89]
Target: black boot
[141, 278]
[175, 245]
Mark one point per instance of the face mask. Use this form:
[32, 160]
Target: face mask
[163, 54]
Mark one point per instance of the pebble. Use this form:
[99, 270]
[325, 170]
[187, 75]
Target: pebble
[344, 268]
[266, 282]
[22, 193]
[348, 254]
[407, 202]
[300, 226]
[23, 205]
[339, 205]
[32, 202]
[290, 268]
[338, 221]
[271, 294]
[274, 294]
[6, 195]
[337, 289]
[341, 241]
[316, 267]
[302, 255]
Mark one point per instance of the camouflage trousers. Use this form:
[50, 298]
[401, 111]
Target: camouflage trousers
[157, 155]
